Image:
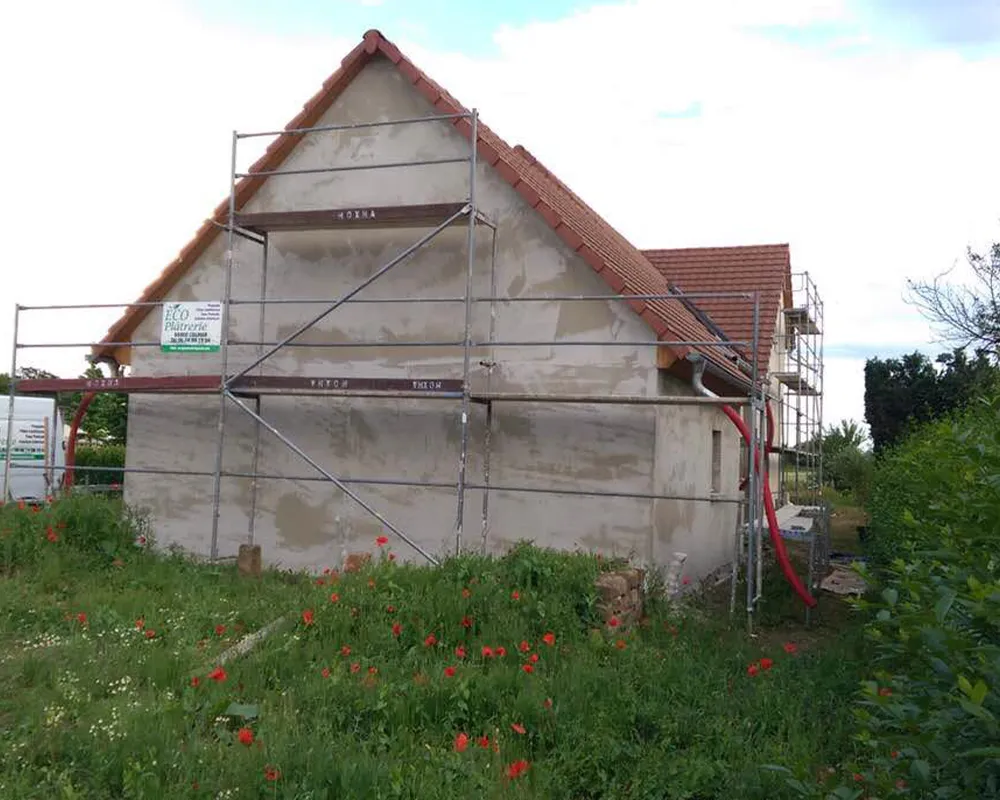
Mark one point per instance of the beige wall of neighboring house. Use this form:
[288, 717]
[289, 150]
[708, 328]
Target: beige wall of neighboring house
[678, 450]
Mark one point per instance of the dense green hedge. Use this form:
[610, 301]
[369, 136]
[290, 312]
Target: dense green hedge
[928, 716]
[102, 465]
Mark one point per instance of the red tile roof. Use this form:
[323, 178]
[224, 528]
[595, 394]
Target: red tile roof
[623, 267]
[732, 269]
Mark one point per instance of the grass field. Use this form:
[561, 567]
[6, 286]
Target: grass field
[482, 678]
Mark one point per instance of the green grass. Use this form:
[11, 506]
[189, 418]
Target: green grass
[96, 708]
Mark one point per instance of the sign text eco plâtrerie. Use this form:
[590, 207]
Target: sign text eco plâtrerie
[191, 327]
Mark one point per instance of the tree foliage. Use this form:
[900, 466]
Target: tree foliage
[967, 315]
[901, 393]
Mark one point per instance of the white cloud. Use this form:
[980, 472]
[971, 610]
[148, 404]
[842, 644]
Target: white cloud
[874, 166]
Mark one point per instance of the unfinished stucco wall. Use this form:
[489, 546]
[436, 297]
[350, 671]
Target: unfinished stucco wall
[686, 466]
[312, 524]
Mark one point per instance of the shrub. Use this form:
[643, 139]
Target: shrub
[928, 715]
[851, 470]
[102, 465]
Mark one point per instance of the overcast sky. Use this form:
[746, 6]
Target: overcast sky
[862, 132]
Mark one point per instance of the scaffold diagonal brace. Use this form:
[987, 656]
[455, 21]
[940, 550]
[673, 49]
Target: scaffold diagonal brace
[330, 477]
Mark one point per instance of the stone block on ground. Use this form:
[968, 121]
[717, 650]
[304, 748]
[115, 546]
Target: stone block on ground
[248, 560]
[621, 595]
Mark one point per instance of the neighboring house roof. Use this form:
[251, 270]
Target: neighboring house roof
[622, 266]
[748, 268]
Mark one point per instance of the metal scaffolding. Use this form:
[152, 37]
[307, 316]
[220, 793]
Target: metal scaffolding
[801, 403]
[243, 388]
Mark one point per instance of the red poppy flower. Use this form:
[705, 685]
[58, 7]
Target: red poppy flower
[449, 672]
[245, 735]
[195, 681]
[396, 629]
[517, 727]
[325, 672]
[391, 609]
[515, 595]
[373, 670]
[320, 581]
[345, 651]
[766, 663]
[790, 647]
[430, 641]
[220, 629]
[614, 622]
[355, 667]
[549, 639]
[501, 652]
[150, 633]
[140, 623]
[81, 618]
[483, 742]
[461, 742]
[884, 691]
[460, 651]
[858, 777]
[487, 651]
[271, 774]
[620, 644]
[466, 593]
[547, 702]
[527, 668]
[307, 616]
[334, 598]
[752, 670]
[51, 535]
[466, 622]
[382, 541]
[517, 769]
[524, 647]
[218, 675]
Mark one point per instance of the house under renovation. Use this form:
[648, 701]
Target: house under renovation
[399, 324]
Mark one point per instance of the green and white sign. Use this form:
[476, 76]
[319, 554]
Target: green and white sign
[27, 440]
[191, 327]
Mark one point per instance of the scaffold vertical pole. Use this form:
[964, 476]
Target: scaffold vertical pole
[255, 481]
[8, 492]
[753, 473]
[224, 354]
[467, 343]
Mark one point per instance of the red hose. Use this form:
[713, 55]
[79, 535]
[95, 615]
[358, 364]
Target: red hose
[770, 442]
[74, 429]
[772, 520]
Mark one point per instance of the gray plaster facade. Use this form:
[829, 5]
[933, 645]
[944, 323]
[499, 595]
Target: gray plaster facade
[311, 525]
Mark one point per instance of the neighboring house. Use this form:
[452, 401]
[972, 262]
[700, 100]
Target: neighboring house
[547, 242]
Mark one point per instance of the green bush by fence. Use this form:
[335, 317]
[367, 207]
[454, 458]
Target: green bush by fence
[102, 465]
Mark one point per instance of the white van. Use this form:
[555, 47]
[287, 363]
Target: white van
[38, 457]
